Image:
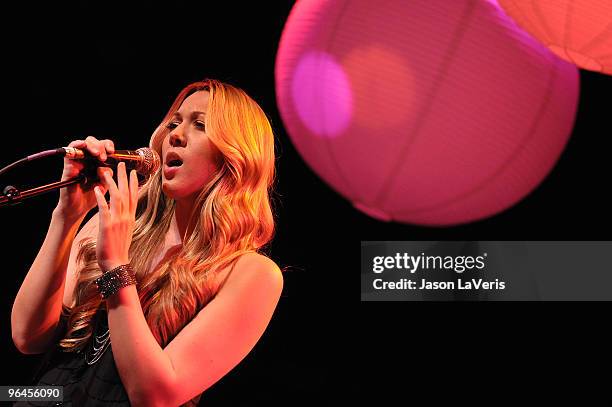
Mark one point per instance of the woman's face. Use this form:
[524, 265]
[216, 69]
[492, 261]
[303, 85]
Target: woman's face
[189, 158]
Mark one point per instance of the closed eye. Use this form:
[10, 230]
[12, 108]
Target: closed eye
[172, 125]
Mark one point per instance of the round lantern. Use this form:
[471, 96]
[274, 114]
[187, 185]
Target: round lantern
[430, 112]
[579, 31]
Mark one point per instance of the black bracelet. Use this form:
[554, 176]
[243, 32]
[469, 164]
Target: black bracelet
[111, 281]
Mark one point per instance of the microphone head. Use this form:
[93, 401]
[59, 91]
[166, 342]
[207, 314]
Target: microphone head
[150, 162]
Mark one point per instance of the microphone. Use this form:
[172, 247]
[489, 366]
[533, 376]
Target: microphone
[144, 160]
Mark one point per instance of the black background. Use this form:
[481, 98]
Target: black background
[111, 70]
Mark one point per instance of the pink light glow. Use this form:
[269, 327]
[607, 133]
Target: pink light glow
[321, 94]
[365, 65]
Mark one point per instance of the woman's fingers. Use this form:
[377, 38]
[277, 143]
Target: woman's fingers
[109, 145]
[73, 165]
[77, 144]
[133, 191]
[99, 148]
[123, 184]
[102, 205]
[115, 196]
[102, 171]
[95, 149]
[124, 195]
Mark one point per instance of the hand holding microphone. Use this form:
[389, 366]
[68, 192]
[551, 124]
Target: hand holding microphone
[144, 160]
[85, 163]
[97, 157]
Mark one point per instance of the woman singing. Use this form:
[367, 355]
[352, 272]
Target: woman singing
[165, 289]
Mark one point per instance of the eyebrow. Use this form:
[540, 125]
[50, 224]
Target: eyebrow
[193, 114]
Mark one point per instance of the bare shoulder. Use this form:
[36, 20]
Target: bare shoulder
[255, 269]
[257, 261]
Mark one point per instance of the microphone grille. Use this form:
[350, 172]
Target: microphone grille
[150, 161]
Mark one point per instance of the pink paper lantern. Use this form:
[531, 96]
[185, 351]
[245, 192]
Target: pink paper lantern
[431, 112]
[579, 31]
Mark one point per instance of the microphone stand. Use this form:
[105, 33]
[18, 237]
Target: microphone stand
[12, 196]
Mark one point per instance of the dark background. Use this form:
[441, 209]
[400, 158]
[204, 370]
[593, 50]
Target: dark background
[111, 70]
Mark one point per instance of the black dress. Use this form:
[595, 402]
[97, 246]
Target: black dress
[93, 385]
[97, 384]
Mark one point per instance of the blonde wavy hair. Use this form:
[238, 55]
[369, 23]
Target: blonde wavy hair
[233, 215]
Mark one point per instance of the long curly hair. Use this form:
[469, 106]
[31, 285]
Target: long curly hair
[233, 215]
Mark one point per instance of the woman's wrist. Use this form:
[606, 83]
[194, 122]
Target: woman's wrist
[108, 265]
[67, 216]
[113, 280]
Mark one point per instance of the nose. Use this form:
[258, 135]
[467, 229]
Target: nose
[177, 138]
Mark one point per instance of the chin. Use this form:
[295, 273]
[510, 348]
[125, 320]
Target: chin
[175, 193]
[168, 190]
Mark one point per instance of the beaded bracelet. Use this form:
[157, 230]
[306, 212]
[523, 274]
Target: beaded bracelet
[111, 281]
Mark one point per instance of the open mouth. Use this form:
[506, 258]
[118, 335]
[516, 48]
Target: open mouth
[175, 163]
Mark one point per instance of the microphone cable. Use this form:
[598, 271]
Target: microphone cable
[32, 157]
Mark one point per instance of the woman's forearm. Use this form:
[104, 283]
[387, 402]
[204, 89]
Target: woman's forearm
[38, 304]
[145, 370]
